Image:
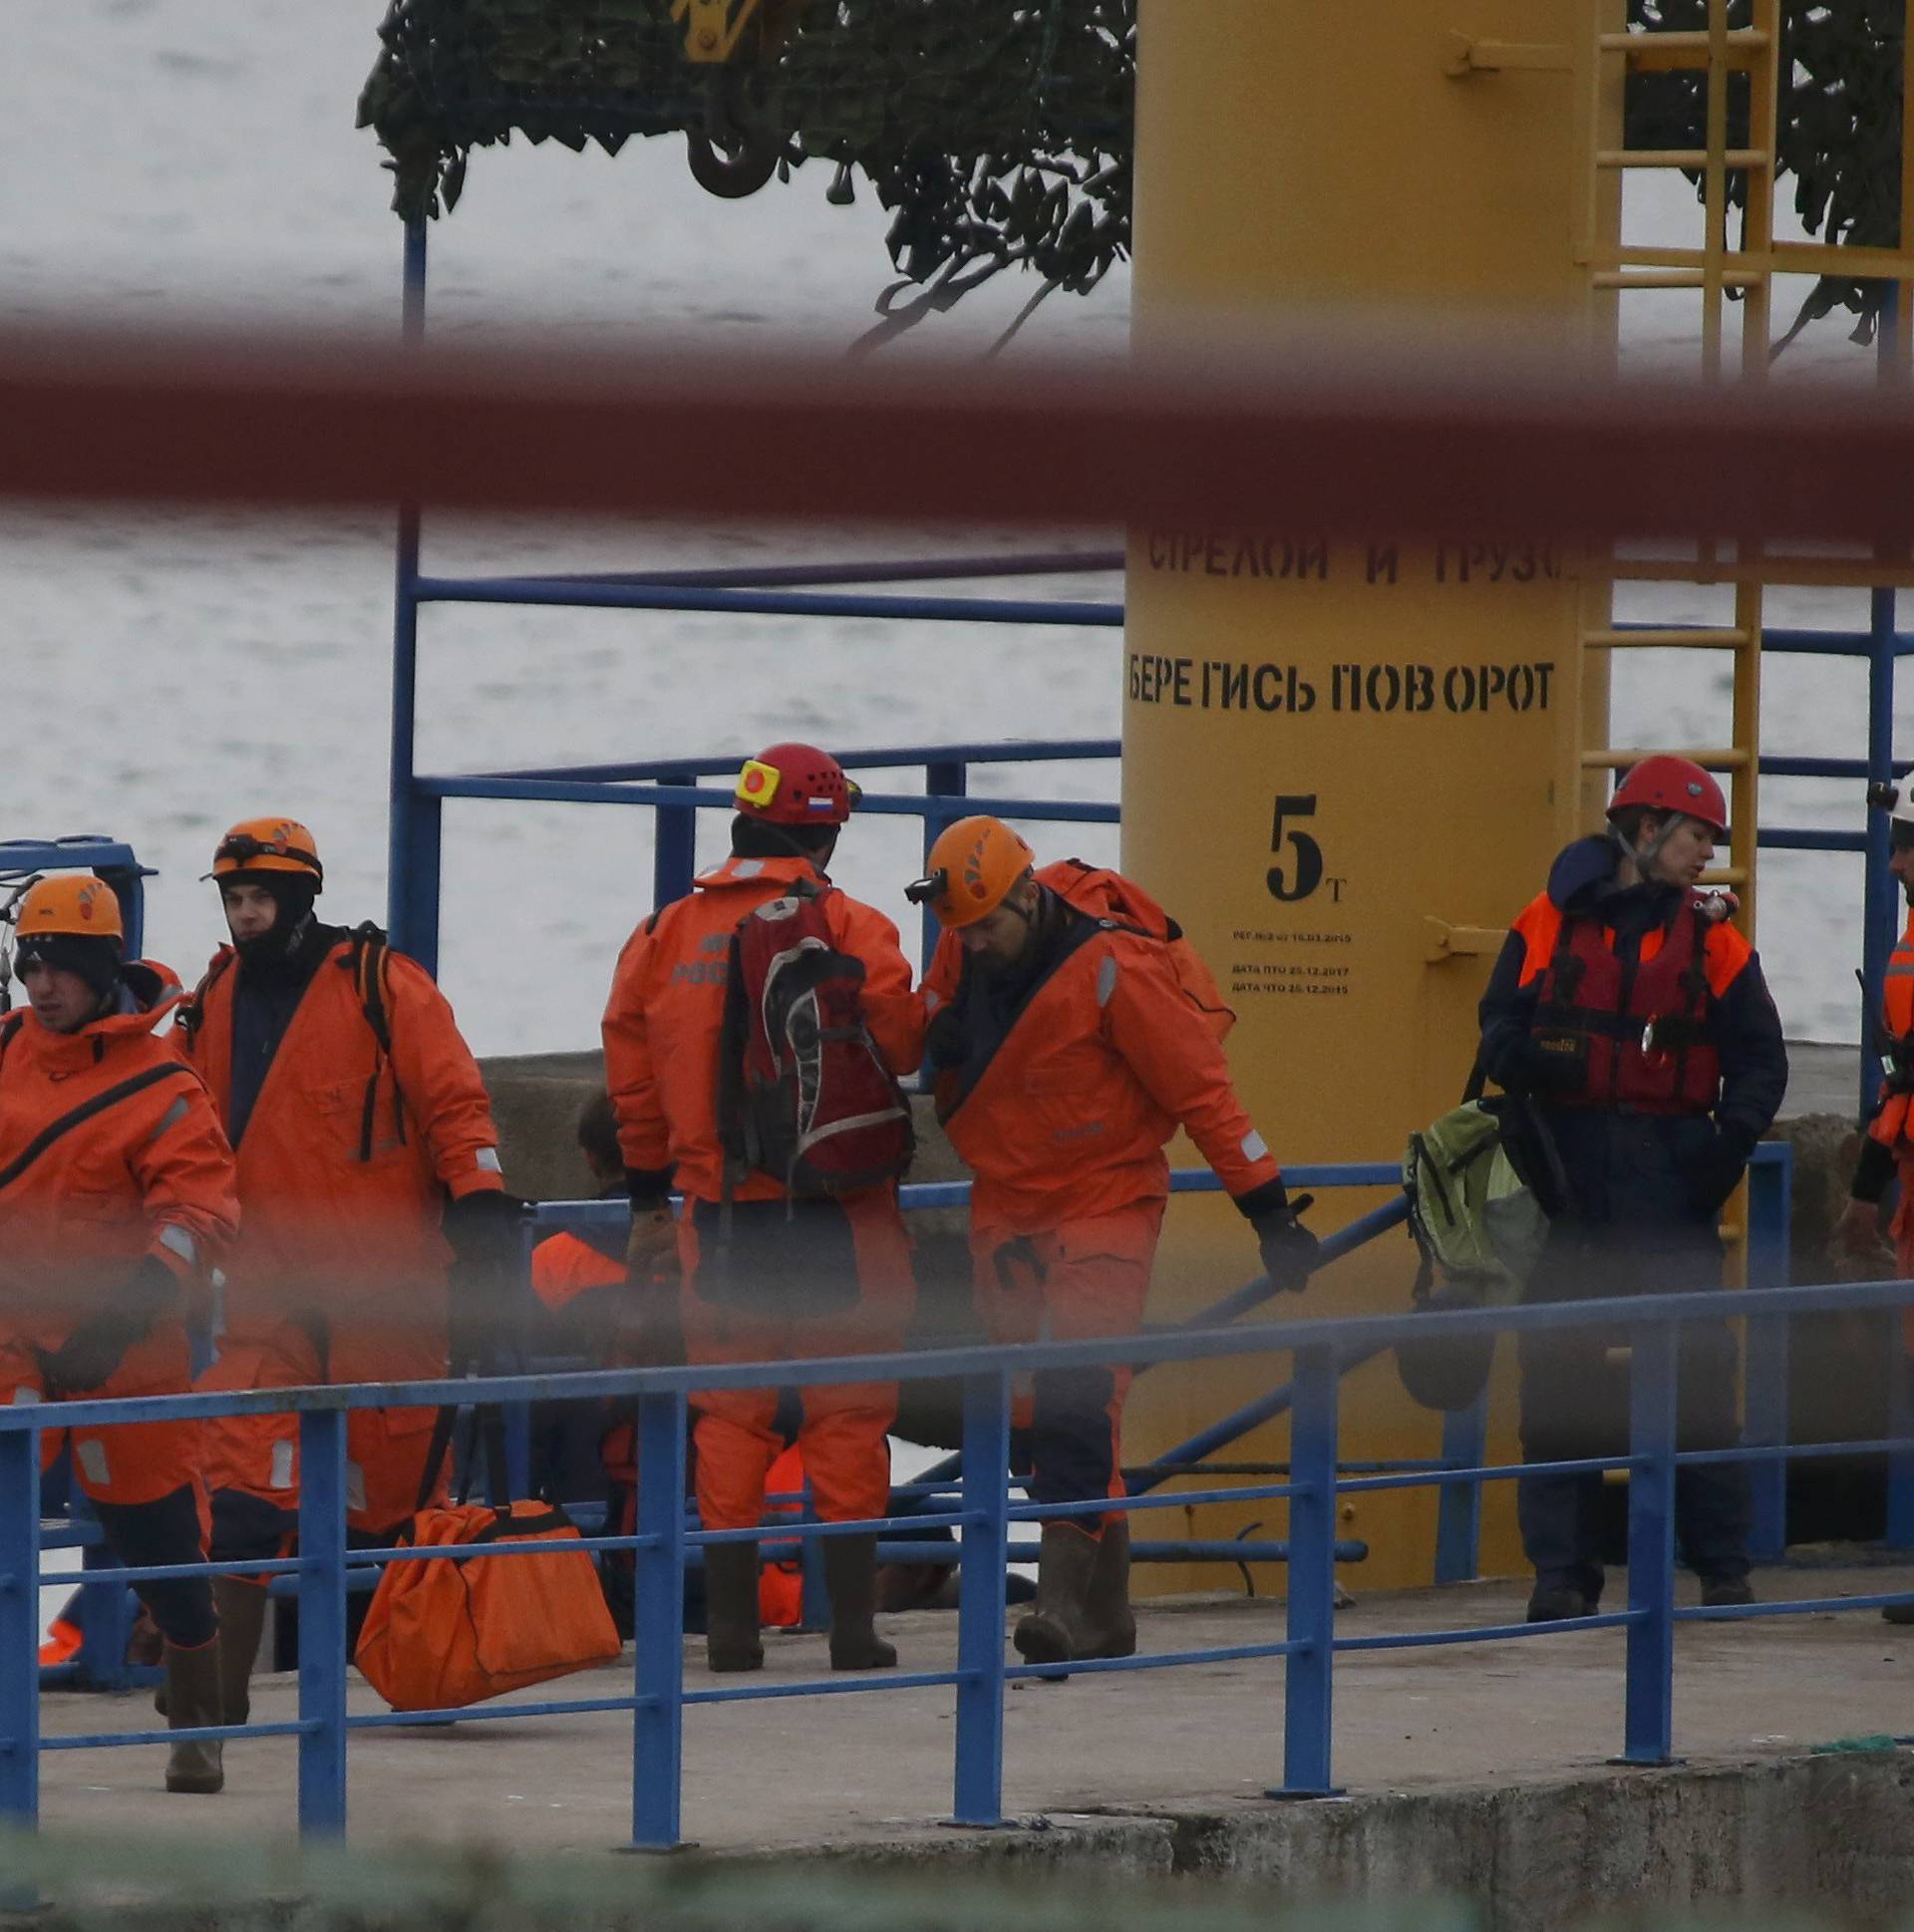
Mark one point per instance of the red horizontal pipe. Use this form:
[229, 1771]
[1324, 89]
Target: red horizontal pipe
[1209, 438]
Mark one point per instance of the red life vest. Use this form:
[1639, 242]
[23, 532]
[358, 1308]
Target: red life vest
[1639, 1028]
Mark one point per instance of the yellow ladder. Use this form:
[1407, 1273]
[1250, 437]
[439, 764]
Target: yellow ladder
[1714, 269]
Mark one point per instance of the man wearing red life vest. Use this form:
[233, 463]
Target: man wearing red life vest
[1637, 1022]
[369, 1172]
[765, 1276]
[1066, 1050]
[117, 1194]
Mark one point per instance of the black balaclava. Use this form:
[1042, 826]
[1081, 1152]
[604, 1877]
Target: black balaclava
[96, 960]
[293, 928]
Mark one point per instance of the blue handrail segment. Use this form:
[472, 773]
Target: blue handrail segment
[1318, 1348]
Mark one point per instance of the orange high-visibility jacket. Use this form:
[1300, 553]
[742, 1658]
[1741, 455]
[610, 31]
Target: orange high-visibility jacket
[325, 1226]
[1069, 1115]
[663, 1024]
[1893, 1124]
[83, 1199]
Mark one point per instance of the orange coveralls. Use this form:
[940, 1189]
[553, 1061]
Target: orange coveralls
[662, 1029]
[339, 1275]
[150, 1174]
[1061, 1116]
[1892, 1127]
[81, 1202]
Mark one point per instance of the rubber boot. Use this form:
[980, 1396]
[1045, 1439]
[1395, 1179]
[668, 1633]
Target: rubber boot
[243, 1617]
[731, 1607]
[1055, 1630]
[1109, 1624]
[850, 1574]
[192, 1699]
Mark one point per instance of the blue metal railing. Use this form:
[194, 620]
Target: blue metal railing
[107, 857]
[1319, 1352]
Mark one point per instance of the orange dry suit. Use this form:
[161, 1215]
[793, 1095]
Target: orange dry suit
[370, 1114]
[1059, 1081]
[1889, 1145]
[110, 1154]
[799, 1277]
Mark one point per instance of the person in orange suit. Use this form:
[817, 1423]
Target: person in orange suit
[116, 1192]
[1888, 1147]
[796, 1277]
[1067, 1048]
[368, 1170]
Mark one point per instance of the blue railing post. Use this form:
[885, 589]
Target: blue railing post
[1458, 1505]
[322, 1623]
[1769, 1205]
[978, 1782]
[20, 1627]
[1308, 1670]
[1648, 1725]
[673, 850]
[658, 1624]
[412, 923]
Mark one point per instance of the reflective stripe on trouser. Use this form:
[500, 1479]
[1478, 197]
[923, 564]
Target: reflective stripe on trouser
[133, 1461]
[843, 1432]
[258, 1456]
[1075, 1282]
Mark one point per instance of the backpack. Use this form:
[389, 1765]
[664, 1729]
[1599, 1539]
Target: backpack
[1480, 1229]
[1121, 901]
[804, 1094]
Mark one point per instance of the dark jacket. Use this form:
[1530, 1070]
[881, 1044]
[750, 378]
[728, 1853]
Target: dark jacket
[1621, 1165]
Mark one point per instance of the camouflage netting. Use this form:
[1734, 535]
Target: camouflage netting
[999, 132]
[1840, 125]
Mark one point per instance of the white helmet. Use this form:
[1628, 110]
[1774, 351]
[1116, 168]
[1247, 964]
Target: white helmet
[1898, 803]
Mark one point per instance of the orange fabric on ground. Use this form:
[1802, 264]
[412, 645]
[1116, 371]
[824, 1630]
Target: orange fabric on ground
[563, 1267]
[666, 1013]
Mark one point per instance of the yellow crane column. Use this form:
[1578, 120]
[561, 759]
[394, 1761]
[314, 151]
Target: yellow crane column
[1348, 765]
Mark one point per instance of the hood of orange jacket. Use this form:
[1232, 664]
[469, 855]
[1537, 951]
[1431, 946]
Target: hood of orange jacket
[664, 1018]
[109, 1151]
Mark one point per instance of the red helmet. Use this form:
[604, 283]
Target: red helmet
[1665, 782]
[795, 784]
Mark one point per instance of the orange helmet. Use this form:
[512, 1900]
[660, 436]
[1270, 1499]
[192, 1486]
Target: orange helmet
[268, 846]
[971, 868]
[73, 904]
[795, 784]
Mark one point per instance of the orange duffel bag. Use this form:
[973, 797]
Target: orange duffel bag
[441, 1633]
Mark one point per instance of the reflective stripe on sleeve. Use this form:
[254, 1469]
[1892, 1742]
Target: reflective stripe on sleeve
[486, 1162]
[181, 1243]
[1255, 1148]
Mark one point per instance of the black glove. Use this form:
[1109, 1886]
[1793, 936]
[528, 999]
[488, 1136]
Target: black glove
[1288, 1248]
[99, 1344]
[1718, 1169]
[486, 1232]
[1525, 1066]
